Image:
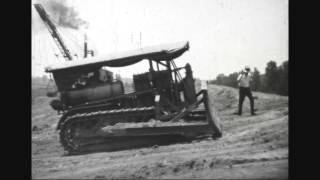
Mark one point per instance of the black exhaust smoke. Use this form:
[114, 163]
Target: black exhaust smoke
[63, 14]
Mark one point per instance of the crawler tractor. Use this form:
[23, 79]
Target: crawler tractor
[98, 113]
[91, 101]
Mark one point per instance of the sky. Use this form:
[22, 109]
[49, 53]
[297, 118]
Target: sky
[224, 35]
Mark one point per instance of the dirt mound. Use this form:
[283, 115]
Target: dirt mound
[43, 116]
[224, 97]
[251, 147]
[227, 99]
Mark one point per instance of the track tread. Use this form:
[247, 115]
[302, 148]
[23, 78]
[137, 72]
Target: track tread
[68, 123]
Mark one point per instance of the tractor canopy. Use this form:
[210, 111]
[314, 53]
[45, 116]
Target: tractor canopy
[156, 53]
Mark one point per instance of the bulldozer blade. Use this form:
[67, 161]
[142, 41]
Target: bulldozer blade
[212, 115]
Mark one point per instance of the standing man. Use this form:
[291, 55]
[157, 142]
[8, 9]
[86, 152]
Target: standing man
[244, 79]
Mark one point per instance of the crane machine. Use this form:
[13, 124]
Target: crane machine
[57, 36]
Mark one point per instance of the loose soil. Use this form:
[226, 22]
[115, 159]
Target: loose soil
[251, 147]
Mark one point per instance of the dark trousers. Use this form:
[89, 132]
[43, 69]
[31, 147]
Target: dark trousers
[243, 92]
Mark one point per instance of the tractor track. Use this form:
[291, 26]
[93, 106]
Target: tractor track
[109, 117]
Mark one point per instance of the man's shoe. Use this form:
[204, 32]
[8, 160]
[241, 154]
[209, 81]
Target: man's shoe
[253, 114]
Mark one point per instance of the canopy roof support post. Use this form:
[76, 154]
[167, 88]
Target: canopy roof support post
[171, 80]
[175, 77]
[151, 66]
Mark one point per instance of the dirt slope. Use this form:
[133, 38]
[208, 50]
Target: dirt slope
[251, 147]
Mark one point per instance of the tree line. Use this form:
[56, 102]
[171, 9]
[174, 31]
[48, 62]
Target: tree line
[275, 79]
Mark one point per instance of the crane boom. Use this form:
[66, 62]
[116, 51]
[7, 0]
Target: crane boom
[53, 31]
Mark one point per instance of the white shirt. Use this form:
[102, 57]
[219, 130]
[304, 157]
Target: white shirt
[244, 81]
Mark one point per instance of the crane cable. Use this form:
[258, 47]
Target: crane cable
[54, 50]
[65, 32]
[56, 25]
[78, 49]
